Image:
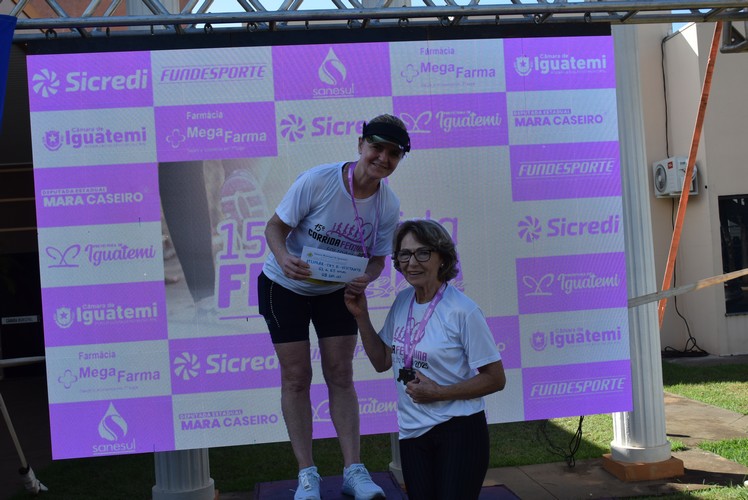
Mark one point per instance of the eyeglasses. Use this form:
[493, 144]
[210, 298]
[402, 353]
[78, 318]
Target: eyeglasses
[422, 255]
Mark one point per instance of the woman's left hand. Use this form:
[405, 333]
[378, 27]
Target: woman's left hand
[423, 390]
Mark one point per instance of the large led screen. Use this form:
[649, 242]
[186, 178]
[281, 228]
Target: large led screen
[155, 172]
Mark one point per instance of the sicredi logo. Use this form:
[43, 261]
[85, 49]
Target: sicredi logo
[93, 137]
[46, 83]
[98, 314]
[547, 64]
[293, 127]
[530, 228]
[573, 337]
[188, 366]
[333, 73]
[114, 429]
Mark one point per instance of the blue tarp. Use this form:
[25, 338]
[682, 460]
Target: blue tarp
[7, 26]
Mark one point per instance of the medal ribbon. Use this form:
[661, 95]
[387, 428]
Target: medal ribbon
[359, 220]
[412, 342]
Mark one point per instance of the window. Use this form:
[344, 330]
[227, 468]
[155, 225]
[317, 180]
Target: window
[733, 218]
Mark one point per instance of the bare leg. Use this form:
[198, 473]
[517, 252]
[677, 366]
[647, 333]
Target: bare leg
[296, 380]
[337, 367]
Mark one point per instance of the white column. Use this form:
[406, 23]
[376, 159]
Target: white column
[638, 435]
[183, 475]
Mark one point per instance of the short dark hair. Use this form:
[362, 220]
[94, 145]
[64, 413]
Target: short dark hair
[433, 235]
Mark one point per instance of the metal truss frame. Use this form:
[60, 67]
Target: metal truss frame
[252, 15]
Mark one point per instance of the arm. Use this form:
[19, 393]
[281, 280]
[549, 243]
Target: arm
[276, 232]
[489, 379]
[378, 352]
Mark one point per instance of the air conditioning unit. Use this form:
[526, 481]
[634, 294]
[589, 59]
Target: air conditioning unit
[668, 175]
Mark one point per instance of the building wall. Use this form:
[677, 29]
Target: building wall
[699, 317]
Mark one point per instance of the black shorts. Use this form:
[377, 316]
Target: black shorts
[288, 314]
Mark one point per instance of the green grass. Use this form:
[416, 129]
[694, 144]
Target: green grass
[722, 385]
[239, 468]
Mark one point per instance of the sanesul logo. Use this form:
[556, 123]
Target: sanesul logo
[331, 71]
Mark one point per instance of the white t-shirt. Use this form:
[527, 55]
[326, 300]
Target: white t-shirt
[457, 342]
[319, 209]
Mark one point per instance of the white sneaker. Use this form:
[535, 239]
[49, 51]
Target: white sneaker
[308, 488]
[358, 484]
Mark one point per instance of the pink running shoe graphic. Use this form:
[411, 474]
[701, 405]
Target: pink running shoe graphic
[242, 198]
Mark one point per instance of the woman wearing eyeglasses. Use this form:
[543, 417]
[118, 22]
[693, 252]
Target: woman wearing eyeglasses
[444, 358]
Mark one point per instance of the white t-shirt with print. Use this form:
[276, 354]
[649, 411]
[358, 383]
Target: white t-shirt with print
[457, 342]
[320, 211]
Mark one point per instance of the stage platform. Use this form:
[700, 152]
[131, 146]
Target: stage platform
[330, 489]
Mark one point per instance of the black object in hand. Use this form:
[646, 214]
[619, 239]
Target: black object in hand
[405, 375]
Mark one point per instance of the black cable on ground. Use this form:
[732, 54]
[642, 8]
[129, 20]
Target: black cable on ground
[567, 454]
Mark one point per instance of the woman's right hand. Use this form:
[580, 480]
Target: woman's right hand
[295, 268]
